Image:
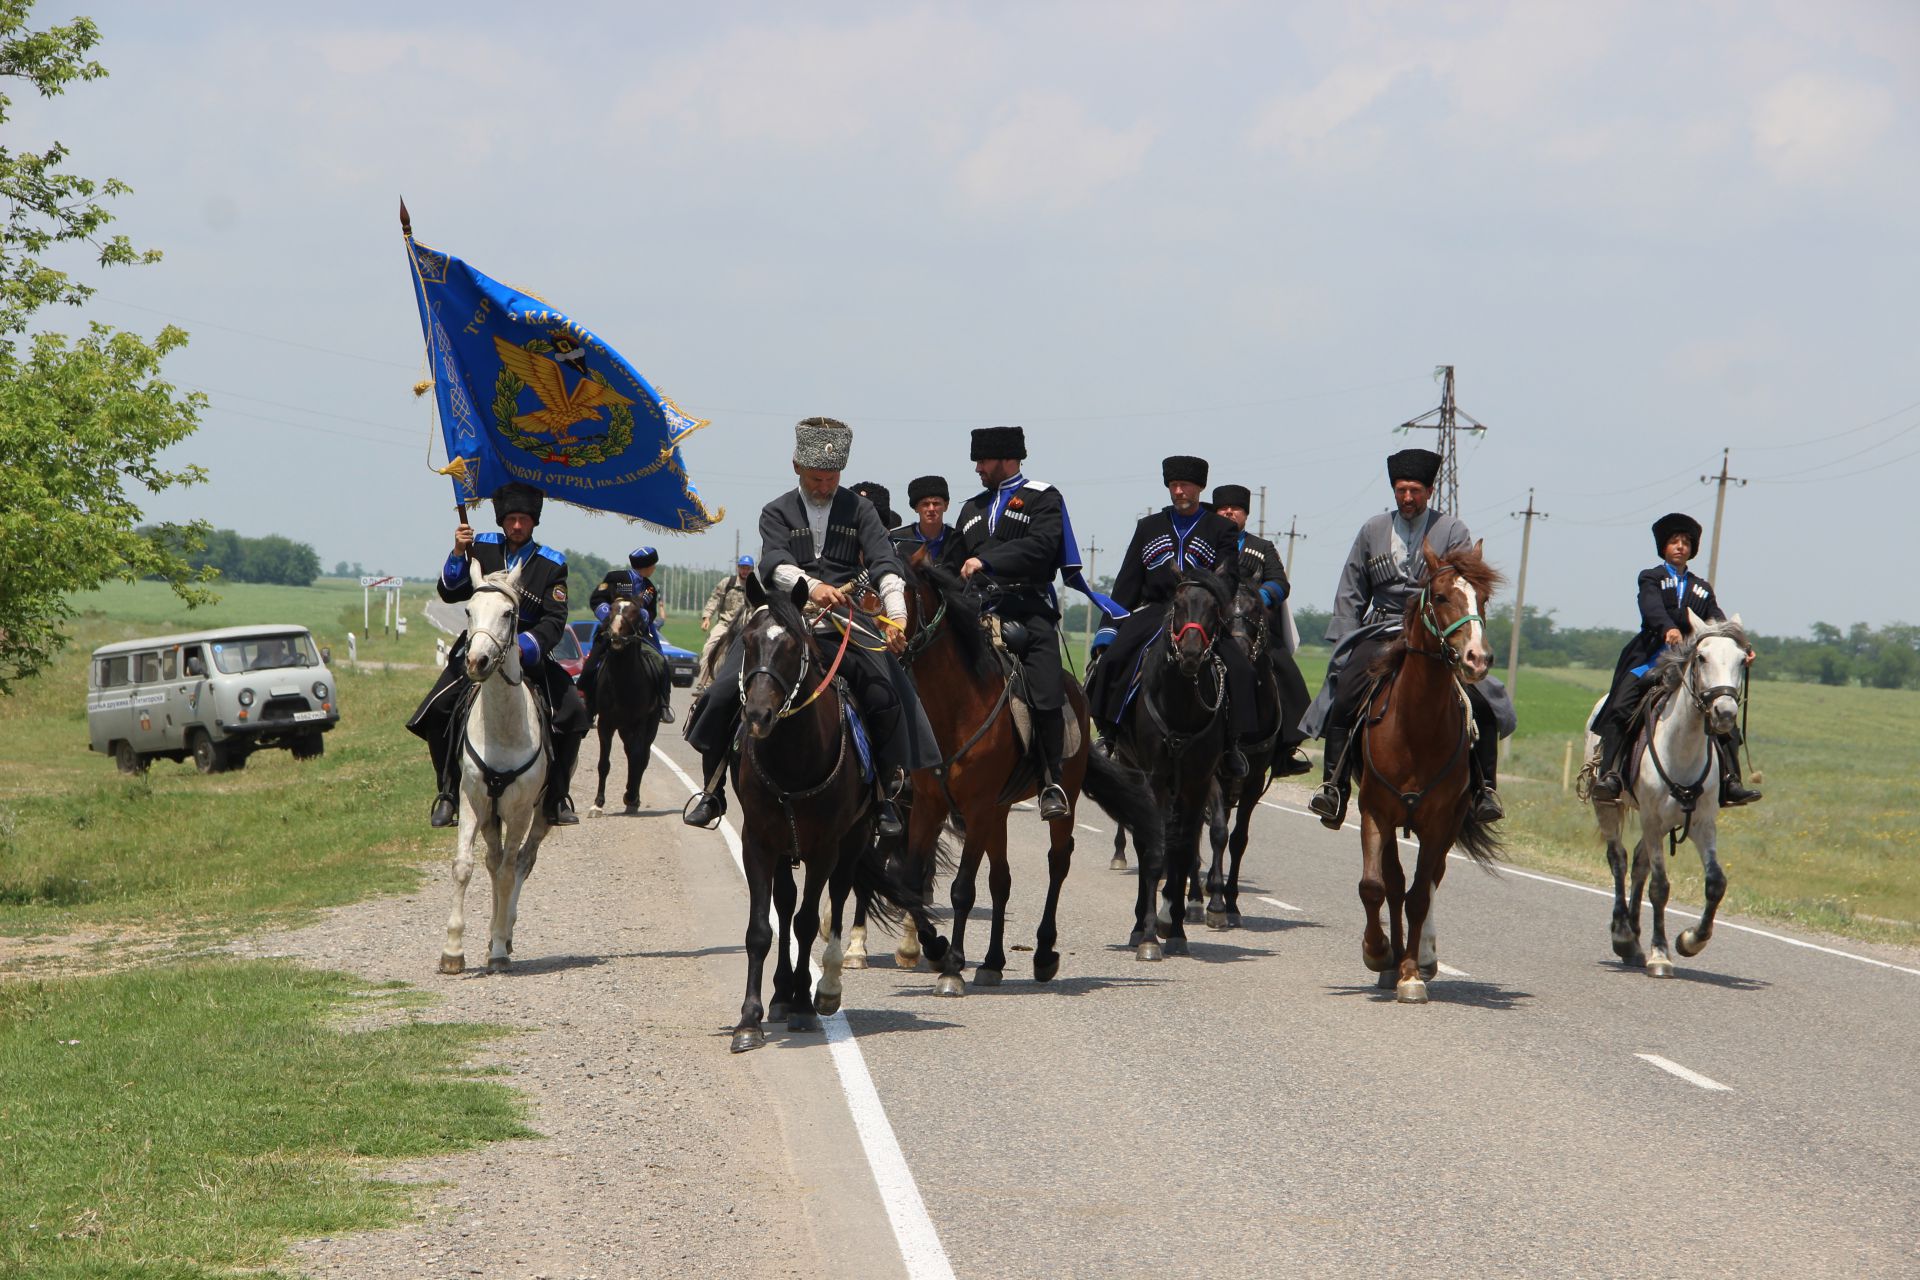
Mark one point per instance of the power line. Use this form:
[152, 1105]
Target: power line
[249, 333]
[1802, 444]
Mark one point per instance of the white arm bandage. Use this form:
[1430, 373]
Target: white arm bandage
[785, 575]
[893, 593]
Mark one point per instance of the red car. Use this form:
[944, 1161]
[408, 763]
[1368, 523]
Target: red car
[567, 654]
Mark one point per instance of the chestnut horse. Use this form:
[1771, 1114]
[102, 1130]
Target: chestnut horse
[803, 803]
[1414, 742]
[965, 684]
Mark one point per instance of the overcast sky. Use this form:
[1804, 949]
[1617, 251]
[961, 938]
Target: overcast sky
[1642, 232]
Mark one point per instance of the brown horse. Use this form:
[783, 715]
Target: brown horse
[628, 698]
[1414, 739]
[965, 684]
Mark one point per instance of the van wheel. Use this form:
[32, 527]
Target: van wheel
[208, 755]
[309, 746]
[129, 760]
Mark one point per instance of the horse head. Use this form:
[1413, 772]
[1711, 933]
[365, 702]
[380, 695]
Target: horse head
[1448, 612]
[1247, 622]
[777, 648]
[1196, 616]
[623, 623]
[493, 613]
[1715, 658]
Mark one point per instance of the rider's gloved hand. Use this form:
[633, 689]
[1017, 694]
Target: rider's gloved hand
[1102, 638]
[529, 650]
[601, 611]
[645, 617]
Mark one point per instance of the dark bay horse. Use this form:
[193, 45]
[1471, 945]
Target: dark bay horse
[1414, 743]
[1228, 821]
[1175, 731]
[966, 686]
[803, 803]
[628, 701]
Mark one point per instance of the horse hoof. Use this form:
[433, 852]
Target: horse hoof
[901, 960]
[936, 950]
[1195, 913]
[1217, 920]
[987, 977]
[804, 1021]
[1628, 950]
[1689, 943]
[498, 964]
[1410, 991]
[596, 812]
[1046, 968]
[826, 1003]
[1175, 946]
[853, 962]
[1148, 951]
[1427, 971]
[777, 1011]
[1376, 964]
[631, 809]
[453, 964]
[748, 1038]
[1118, 864]
[1659, 967]
[950, 984]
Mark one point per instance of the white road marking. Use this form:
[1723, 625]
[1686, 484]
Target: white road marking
[913, 1229]
[1691, 1077]
[1284, 906]
[1452, 972]
[1084, 827]
[1672, 910]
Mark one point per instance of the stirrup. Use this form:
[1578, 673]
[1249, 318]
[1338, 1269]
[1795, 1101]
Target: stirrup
[1233, 763]
[887, 824]
[704, 809]
[1734, 794]
[1487, 806]
[445, 811]
[1608, 785]
[561, 813]
[1053, 802]
[1329, 804]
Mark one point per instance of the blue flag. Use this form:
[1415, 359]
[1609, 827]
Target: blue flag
[527, 393]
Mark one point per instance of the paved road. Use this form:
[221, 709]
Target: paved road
[1260, 1108]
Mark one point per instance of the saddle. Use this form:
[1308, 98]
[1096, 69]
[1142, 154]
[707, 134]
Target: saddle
[1009, 644]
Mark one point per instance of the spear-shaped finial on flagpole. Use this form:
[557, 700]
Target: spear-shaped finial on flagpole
[456, 467]
[406, 223]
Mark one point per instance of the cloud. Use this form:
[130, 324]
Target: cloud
[1045, 153]
[1811, 127]
[1300, 123]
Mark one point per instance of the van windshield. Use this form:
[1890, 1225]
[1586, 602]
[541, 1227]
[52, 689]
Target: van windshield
[264, 653]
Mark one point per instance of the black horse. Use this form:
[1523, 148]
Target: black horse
[803, 803]
[1229, 817]
[1175, 731]
[627, 694]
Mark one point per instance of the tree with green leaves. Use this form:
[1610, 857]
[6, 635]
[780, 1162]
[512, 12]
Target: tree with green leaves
[83, 420]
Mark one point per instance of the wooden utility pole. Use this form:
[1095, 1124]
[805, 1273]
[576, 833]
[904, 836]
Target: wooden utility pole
[1093, 557]
[1446, 420]
[1292, 535]
[1262, 530]
[1719, 507]
[1520, 589]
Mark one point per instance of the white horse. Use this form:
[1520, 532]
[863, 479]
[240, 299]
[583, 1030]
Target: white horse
[1673, 783]
[503, 770]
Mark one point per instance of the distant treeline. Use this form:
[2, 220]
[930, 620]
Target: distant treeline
[242, 559]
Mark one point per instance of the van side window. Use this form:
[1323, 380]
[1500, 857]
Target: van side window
[170, 665]
[196, 662]
[113, 671]
[146, 668]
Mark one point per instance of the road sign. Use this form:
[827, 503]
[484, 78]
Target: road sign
[373, 580]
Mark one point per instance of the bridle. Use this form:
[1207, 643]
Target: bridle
[624, 607]
[1254, 622]
[1177, 633]
[787, 706]
[504, 644]
[1431, 620]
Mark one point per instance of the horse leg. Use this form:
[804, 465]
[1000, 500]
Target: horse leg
[1411, 987]
[801, 1015]
[784, 894]
[524, 844]
[1183, 862]
[856, 948]
[1145, 943]
[918, 861]
[1374, 951]
[1237, 846]
[606, 753]
[452, 957]
[952, 980]
[993, 966]
[1119, 860]
[1396, 875]
[759, 868]
[1659, 963]
[636, 753]
[1218, 835]
[1626, 924]
[1046, 961]
[1691, 942]
[500, 878]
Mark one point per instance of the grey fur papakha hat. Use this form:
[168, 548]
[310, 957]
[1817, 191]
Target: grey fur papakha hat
[822, 444]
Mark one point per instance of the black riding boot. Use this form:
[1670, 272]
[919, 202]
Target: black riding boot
[1289, 761]
[559, 804]
[888, 827]
[705, 807]
[446, 808]
[1607, 782]
[1486, 769]
[666, 696]
[1329, 804]
[1733, 792]
[1051, 728]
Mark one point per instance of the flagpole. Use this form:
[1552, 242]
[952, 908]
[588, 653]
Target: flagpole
[406, 232]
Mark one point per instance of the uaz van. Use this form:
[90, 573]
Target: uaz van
[214, 696]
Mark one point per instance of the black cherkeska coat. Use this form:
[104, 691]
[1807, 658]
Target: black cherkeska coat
[1666, 597]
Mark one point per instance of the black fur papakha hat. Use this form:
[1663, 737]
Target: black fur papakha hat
[516, 498]
[1419, 465]
[881, 499]
[822, 444]
[1182, 467]
[926, 487]
[999, 442]
[1676, 522]
[1232, 495]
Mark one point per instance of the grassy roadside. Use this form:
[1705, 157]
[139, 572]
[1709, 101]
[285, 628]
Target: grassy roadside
[184, 1120]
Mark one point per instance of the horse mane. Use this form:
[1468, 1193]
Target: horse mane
[963, 612]
[1212, 582]
[787, 614]
[1670, 668]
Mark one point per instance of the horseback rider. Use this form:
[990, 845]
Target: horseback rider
[1668, 593]
[728, 598]
[634, 582]
[543, 616]
[1015, 534]
[1260, 563]
[1386, 569]
[1184, 534]
[823, 537]
[882, 502]
[928, 497]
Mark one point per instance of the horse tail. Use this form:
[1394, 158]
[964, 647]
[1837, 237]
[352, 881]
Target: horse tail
[1481, 842]
[889, 898]
[1127, 797]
